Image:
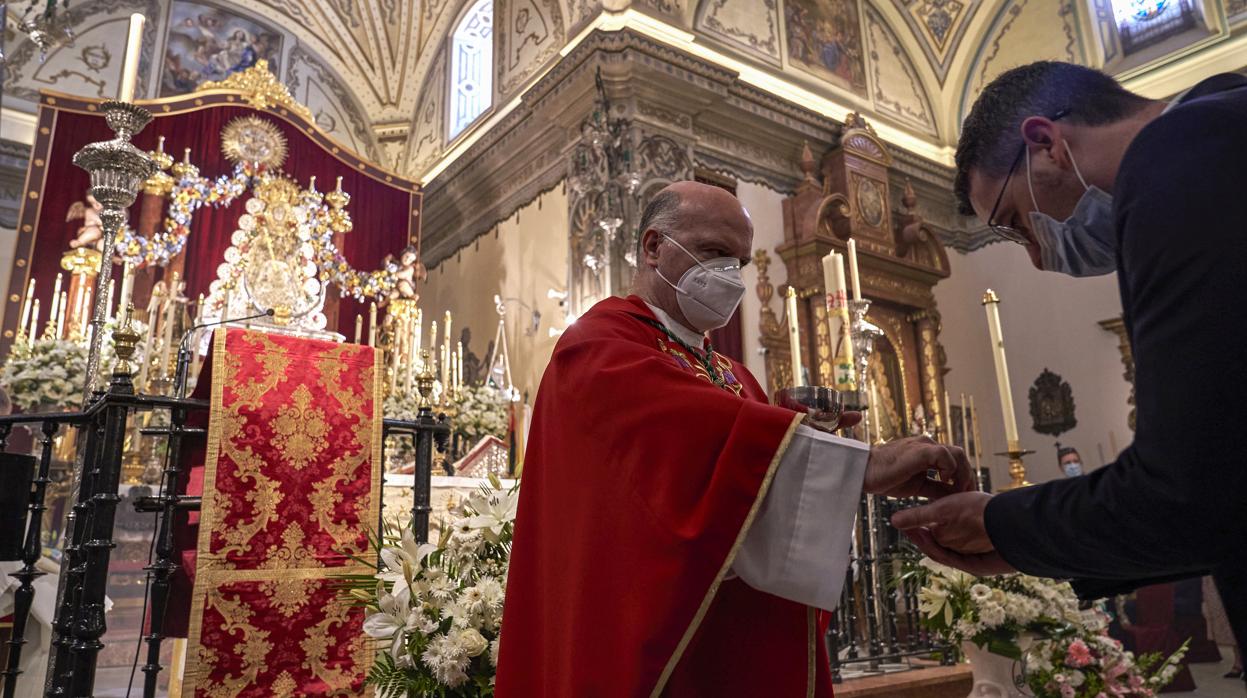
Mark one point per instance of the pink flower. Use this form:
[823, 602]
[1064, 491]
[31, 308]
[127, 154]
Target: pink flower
[1067, 691]
[1101, 694]
[1079, 655]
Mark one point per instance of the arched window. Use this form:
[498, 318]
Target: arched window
[471, 66]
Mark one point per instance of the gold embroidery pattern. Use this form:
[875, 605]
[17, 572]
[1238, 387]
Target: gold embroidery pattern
[300, 429]
[329, 409]
[316, 642]
[284, 685]
[252, 645]
[287, 595]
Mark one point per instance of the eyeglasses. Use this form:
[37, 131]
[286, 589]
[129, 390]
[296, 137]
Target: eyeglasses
[1009, 232]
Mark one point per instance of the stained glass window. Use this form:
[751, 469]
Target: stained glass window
[471, 66]
[1143, 23]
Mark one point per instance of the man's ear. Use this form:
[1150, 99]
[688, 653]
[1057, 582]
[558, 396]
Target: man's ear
[1046, 141]
[649, 246]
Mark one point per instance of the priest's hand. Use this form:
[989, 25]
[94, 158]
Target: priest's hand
[987, 564]
[899, 469]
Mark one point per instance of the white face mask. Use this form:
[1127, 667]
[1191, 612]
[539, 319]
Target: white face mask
[1085, 244]
[1072, 468]
[709, 292]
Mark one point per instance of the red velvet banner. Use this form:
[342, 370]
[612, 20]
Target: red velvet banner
[384, 208]
[292, 484]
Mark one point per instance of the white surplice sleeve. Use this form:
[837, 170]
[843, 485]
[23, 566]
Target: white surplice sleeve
[798, 545]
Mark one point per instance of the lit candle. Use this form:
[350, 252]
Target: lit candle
[34, 322]
[992, 303]
[26, 304]
[60, 314]
[372, 324]
[56, 295]
[978, 440]
[417, 355]
[112, 286]
[837, 309]
[857, 280]
[432, 338]
[127, 289]
[446, 352]
[965, 434]
[130, 68]
[794, 337]
[948, 420]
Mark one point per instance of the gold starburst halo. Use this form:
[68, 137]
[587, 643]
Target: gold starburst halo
[254, 140]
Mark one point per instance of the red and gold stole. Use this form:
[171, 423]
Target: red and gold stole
[292, 485]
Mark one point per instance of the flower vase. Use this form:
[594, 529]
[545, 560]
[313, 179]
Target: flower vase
[993, 673]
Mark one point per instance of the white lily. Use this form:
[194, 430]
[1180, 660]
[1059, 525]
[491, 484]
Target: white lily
[403, 564]
[390, 622]
[493, 512]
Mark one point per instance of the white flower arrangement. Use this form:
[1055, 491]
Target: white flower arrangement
[1065, 650]
[48, 373]
[482, 411]
[436, 610]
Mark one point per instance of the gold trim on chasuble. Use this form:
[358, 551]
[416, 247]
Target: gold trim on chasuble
[727, 563]
[291, 574]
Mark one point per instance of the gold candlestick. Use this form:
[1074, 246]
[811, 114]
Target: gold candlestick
[1017, 469]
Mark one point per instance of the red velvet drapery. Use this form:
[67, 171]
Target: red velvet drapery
[381, 212]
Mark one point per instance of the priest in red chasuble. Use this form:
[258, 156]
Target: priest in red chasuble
[676, 533]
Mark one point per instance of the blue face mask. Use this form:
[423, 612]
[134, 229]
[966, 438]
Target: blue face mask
[1085, 244]
[1072, 468]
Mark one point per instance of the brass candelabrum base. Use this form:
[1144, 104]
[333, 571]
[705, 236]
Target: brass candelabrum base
[1017, 469]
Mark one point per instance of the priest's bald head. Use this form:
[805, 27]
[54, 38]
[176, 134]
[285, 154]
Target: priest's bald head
[692, 242]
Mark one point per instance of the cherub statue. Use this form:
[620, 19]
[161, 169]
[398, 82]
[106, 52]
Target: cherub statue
[91, 233]
[410, 271]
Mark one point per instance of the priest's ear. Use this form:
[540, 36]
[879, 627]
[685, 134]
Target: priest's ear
[647, 247]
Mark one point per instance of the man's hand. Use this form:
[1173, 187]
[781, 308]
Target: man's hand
[899, 469]
[956, 521]
[952, 531]
[980, 565]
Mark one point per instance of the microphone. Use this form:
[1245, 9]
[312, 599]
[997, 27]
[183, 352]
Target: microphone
[184, 355]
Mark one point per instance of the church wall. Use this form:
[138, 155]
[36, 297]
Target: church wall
[765, 208]
[521, 260]
[1049, 321]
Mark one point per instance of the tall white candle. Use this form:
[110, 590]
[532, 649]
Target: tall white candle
[853, 275]
[130, 68]
[26, 305]
[57, 305]
[978, 440]
[60, 313]
[417, 358]
[112, 286]
[34, 322]
[992, 304]
[794, 337]
[372, 324]
[127, 290]
[446, 351]
[359, 328]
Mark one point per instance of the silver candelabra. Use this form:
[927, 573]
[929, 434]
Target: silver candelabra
[117, 170]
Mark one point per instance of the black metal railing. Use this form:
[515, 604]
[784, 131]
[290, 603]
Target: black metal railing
[79, 624]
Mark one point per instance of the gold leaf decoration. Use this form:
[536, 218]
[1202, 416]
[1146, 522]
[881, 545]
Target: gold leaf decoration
[260, 88]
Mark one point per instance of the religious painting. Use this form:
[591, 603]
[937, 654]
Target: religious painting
[825, 39]
[1052, 404]
[206, 43]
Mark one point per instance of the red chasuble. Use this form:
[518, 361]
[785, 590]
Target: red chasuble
[641, 478]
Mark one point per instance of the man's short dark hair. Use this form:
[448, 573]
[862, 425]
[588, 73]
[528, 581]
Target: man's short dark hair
[661, 213]
[991, 133]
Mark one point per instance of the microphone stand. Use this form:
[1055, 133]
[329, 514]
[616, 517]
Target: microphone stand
[160, 571]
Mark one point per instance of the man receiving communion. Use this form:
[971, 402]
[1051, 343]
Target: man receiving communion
[1092, 179]
[677, 535]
